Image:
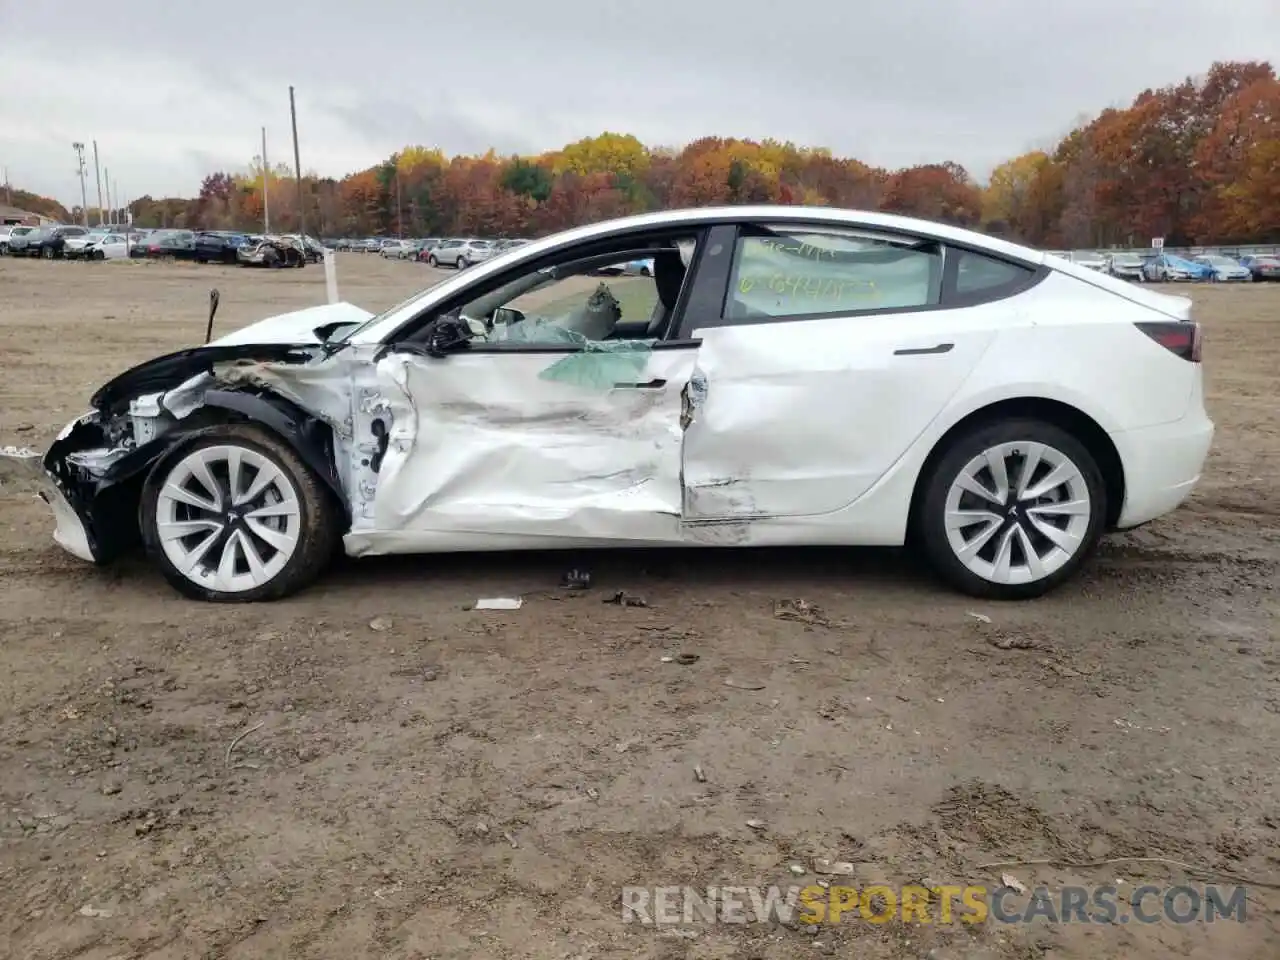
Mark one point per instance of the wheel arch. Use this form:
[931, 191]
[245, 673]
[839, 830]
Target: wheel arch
[112, 505]
[1062, 415]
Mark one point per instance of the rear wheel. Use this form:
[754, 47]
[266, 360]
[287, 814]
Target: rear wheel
[1011, 509]
[463, 263]
[237, 517]
[432, 261]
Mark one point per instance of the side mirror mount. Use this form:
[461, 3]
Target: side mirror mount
[507, 316]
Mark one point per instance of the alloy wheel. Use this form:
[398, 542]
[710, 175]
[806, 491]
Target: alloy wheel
[1017, 512]
[228, 518]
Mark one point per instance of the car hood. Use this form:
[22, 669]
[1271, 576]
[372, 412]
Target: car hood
[297, 327]
[289, 337]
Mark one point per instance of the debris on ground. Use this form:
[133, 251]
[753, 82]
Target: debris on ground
[576, 580]
[798, 869]
[980, 617]
[624, 599]
[801, 611]
[499, 603]
[1013, 883]
[88, 910]
[1013, 641]
[743, 684]
[755, 824]
[684, 659]
[833, 868]
[380, 624]
[699, 774]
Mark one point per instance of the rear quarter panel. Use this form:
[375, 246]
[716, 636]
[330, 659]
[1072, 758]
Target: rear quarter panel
[1082, 347]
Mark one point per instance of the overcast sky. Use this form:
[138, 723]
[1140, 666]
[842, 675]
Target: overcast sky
[174, 89]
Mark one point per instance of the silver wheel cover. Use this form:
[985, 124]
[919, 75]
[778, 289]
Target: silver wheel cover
[1017, 512]
[228, 518]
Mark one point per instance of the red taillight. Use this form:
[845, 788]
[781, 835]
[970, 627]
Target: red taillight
[1181, 338]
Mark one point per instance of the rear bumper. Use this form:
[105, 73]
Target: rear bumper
[1162, 465]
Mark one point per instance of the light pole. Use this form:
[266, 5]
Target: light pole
[97, 172]
[84, 193]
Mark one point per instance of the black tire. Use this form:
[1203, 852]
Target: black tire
[99, 255]
[929, 530]
[321, 519]
[432, 261]
[462, 263]
[48, 253]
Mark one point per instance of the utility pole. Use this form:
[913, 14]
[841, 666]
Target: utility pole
[266, 175]
[399, 207]
[97, 172]
[106, 178]
[84, 193]
[8, 193]
[297, 166]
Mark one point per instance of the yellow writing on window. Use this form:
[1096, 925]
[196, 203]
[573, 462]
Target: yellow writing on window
[793, 286]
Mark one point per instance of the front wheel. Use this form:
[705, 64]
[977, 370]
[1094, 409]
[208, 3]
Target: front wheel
[48, 253]
[1011, 509]
[463, 263]
[236, 517]
[432, 262]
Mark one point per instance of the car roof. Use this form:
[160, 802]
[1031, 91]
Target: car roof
[778, 213]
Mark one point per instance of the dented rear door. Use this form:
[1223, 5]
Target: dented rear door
[505, 446]
[815, 379]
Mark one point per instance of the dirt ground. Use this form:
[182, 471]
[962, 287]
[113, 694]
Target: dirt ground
[416, 780]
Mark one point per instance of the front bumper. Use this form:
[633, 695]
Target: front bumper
[70, 530]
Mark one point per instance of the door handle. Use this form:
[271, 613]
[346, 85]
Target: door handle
[923, 351]
[650, 385]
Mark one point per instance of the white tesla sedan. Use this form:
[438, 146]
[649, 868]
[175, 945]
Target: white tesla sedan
[786, 375]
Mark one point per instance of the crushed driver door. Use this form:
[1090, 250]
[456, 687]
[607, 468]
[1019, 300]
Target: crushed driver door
[505, 446]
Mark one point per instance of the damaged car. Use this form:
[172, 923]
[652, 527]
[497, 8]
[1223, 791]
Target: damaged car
[272, 251]
[785, 376]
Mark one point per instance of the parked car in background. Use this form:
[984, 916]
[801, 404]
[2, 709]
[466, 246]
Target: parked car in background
[272, 251]
[425, 248]
[107, 246]
[502, 246]
[73, 247]
[1126, 266]
[460, 253]
[97, 245]
[8, 233]
[1224, 269]
[1089, 258]
[1262, 267]
[48, 242]
[311, 248]
[632, 268]
[1166, 268]
[217, 246]
[177, 244]
[396, 249]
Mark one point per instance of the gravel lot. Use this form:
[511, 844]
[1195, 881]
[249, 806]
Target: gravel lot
[424, 781]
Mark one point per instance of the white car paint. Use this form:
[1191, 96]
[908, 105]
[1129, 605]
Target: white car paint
[793, 431]
[297, 326]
